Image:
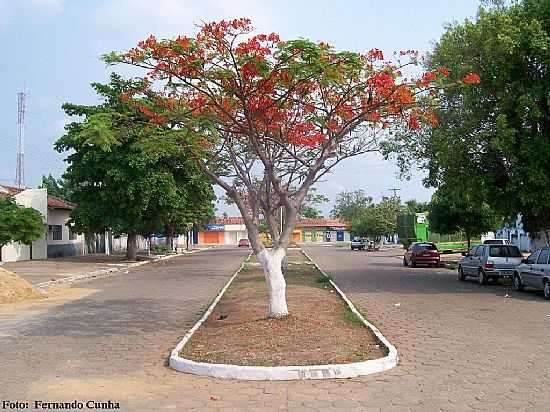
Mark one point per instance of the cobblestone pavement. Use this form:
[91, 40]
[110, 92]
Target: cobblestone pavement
[463, 347]
[38, 271]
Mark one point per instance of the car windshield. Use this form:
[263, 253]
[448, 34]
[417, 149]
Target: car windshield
[426, 246]
[504, 251]
[493, 242]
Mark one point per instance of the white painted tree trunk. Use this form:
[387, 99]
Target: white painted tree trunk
[271, 260]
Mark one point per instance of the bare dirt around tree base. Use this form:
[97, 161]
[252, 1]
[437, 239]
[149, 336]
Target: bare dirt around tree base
[320, 329]
[15, 289]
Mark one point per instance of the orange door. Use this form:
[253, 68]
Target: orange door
[212, 237]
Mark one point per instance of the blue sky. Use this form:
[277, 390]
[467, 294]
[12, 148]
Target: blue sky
[52, 48]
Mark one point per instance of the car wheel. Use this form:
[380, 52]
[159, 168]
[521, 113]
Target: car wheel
[482, 279]
[547, 289]
[405, 263]
[413, 263]
[461, 275]
[518, 285]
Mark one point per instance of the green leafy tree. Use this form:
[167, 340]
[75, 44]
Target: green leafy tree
[378, 220]
[264, 114]
[450, 214]
[414, 206]
[129, 175]
[309, 208]
[18, 223]
[348, 206]
[492, 142]
[56, 187]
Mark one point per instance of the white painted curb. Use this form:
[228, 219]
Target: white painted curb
[226, 371]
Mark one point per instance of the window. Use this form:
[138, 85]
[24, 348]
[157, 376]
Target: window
[543, 257]
[504, 251]
[473, 251]
[533, 257]
[57, 232]
[426, 246]
[479, 251]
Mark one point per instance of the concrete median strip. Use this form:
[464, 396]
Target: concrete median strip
[43, 287]
[229, 371]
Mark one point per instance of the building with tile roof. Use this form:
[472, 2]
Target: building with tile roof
[229, 230]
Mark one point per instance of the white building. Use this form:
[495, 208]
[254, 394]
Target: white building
[58, 239]
[223, 231]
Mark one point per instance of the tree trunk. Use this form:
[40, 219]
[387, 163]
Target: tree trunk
[131, 246]
[187, 241]
[1, 246]
[271, 261]
[169, 231]
[469, 240]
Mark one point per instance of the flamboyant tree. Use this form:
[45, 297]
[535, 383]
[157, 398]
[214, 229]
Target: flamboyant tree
[266, 118]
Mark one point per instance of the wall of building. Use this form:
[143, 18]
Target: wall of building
[65, 246]
[119, 244]
[13, 252]
[319, 235]
[234, 233]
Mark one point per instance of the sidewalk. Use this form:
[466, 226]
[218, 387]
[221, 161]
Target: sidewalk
[61, 270]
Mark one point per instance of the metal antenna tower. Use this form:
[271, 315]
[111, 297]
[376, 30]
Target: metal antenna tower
[20, 167]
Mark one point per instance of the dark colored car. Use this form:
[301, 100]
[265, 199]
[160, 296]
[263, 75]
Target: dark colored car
[534, 272]
[244, 243]
[422, 253]
[357, 244]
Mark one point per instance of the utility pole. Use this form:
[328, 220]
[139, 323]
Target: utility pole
[394, 190]
[20, 165]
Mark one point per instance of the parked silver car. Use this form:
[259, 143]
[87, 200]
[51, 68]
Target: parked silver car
[496, 242]
[489, 262]
[534, 272]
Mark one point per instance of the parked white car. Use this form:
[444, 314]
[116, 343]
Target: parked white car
[489, 262]
[496, 242]
[534, 272]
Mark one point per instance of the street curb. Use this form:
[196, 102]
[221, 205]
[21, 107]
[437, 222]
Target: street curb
[43, 287]
[228, 371]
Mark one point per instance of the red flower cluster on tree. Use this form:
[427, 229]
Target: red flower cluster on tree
[472, 78]
[265, 88]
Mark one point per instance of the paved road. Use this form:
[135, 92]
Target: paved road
[463, 347]
[114, 341]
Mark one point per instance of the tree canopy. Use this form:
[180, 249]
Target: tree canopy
[309, 209]
[266, 118]
[18, 223]
[378, 220]
[348, 206]
[450, 213]
[138, 183]
[56, 187]
[492, 142]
